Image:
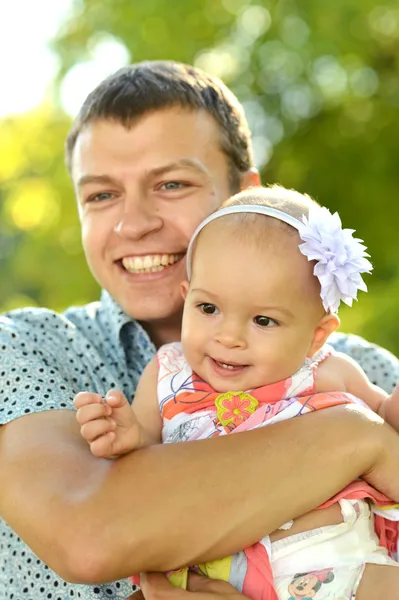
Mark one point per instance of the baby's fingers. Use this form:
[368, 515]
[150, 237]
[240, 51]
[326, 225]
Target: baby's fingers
[94, 429]
[102, 447]
[116, 399]
[92, 412]
[85, 398]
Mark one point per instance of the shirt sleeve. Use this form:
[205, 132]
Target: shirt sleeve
[34, 367]
[380, 366]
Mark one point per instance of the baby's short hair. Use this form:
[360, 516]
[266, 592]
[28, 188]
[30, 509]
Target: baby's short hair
[275, 196]
[255, 227]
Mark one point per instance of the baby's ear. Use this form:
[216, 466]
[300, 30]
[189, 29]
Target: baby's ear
[184, 289]
[325, 327]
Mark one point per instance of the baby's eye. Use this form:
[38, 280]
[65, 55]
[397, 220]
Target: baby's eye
[264, 321]
[208, 309]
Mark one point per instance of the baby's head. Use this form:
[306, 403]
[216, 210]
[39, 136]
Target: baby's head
[253, 310]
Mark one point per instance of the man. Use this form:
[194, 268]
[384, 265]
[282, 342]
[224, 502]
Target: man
[155, 149]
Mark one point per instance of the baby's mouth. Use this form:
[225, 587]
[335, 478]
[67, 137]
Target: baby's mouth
[150, 263]
[232, 367]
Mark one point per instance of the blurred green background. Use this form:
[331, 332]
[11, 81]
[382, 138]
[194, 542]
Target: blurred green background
[320, 84]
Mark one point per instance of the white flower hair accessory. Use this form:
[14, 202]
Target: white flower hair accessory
[340, 258]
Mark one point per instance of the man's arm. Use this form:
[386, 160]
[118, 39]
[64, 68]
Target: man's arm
[95, 520]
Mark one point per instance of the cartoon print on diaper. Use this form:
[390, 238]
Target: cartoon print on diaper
[305, 586]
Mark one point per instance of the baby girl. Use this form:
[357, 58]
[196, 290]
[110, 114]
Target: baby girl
[265, 276]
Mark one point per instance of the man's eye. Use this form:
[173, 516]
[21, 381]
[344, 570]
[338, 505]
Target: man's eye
[172, 185]
[101, 197]
[264, 321]
[208, 309]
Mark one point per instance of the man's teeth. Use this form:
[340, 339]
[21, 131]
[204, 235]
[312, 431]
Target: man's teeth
[150, 263]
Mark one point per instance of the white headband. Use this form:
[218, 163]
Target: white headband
[340, 258]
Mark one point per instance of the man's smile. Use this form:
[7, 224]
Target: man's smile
[150, 263]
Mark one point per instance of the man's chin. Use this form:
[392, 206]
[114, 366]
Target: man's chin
[153, 311]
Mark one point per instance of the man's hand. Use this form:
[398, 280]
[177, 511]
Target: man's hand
[109, 426]
[155, 586]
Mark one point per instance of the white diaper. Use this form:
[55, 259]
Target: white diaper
[328, 563]
[338, 583]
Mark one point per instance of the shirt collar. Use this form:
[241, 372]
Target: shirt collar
[113, 312]
[119, 321]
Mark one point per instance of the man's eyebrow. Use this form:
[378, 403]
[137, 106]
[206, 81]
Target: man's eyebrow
[184, 163]
[85, 179]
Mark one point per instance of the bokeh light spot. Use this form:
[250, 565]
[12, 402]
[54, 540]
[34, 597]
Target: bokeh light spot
[254, 21]
[33, 204]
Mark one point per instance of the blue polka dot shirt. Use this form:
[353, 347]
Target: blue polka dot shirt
[46, 358]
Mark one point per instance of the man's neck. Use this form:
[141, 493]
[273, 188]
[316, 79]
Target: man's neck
[163, 332]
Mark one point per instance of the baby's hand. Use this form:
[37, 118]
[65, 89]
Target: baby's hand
[109, 426]
[389, 410]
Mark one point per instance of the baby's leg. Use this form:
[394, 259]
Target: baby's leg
[379, 581]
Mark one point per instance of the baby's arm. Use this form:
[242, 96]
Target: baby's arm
[339, 372]
[112, 427]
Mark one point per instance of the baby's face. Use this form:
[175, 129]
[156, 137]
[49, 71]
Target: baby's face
[251, 309]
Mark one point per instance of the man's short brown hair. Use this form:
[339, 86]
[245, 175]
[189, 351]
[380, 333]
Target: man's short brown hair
[154, 85]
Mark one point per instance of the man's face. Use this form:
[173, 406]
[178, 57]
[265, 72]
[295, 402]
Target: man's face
[141, 193]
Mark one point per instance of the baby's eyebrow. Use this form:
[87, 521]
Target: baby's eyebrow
[280, 309]
[201, 291]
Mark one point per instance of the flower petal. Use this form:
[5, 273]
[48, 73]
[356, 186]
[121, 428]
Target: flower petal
[340, 257]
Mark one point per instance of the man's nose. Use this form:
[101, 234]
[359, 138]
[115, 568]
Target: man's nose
[231, 335]
[138, 217]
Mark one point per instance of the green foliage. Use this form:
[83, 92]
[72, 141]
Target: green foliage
[41, 261]
[319, 81]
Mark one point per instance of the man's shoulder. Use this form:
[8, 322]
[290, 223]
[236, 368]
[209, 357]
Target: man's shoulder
[39, 342]
[380, 365]
[26, 321]
[349, 342]
[33, 314]
[46, 358]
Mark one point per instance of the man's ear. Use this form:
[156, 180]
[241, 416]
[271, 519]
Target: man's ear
[325, 327]
[184, 289]
[250, 178]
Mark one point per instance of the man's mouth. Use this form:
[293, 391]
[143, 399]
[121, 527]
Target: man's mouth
[151, 263]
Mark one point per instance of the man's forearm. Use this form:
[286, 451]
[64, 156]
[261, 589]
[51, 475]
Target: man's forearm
[164, 506]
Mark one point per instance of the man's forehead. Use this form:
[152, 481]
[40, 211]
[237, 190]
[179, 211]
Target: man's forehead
[169, 137]
[193, 122]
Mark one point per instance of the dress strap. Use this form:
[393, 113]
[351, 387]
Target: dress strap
[170, 359]
[303, 382]
[173, 373]
[324, 352]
